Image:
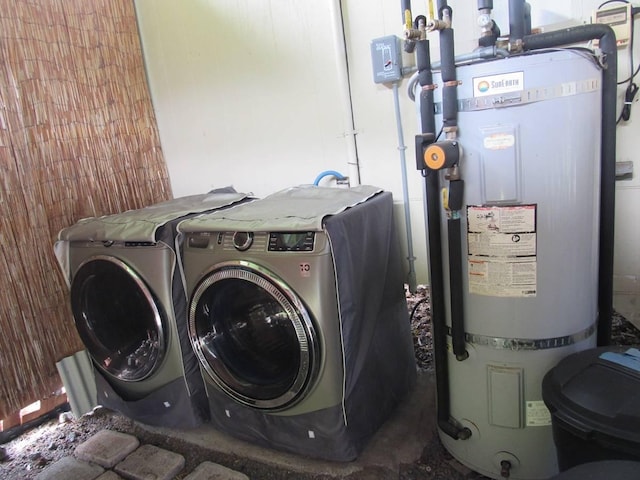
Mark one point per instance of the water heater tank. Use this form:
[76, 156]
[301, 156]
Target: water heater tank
[529, 129]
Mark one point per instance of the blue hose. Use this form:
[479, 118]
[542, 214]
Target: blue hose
[328, 173]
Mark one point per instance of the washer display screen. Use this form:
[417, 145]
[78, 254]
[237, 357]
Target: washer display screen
[117, 318]
[291, 241]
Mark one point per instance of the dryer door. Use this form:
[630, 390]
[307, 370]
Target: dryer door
[253, 336]
[118, 318]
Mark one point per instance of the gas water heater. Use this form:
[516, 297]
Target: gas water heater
[518, 187]
[526, 238]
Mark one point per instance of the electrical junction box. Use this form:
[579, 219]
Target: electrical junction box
[619, 18]
[386, 58]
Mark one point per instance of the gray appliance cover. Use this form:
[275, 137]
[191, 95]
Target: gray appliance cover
[378, 351]
[182, 402]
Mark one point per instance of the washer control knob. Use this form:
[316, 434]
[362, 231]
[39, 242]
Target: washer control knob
[242, 240]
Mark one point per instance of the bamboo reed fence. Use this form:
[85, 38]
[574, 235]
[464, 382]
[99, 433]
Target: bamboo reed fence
[78, 138]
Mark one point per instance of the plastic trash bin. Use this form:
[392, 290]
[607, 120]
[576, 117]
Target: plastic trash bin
[594, 400]
[604, 470]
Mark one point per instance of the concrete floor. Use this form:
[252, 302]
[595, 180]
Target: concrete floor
[405, 447]
[400, 440]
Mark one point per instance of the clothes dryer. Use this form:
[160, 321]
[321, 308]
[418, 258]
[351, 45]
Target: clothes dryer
[298, 316]
[129, 307]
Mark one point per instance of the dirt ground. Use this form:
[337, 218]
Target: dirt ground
[26, 455]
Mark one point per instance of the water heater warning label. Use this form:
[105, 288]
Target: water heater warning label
[501, 242]
[538, 414]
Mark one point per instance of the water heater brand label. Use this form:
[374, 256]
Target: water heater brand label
[502, 258]
[498, 84]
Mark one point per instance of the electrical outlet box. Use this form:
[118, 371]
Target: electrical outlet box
[386, 58]
[619, 18]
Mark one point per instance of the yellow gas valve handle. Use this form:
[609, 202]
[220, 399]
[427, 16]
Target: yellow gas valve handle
[445, 198]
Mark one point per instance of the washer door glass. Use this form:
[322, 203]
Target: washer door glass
[117, 318]
[253, 337]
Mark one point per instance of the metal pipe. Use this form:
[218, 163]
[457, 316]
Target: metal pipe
[349, 132]
[434, 239]
[432, 187]
[411, 277]
[440, 353]
[527, 18]
[516, 22]
[489, 31]
[482, 53]
[425, 79]
[406, 13]
[454, 234]
[450, 84]
[608, 46]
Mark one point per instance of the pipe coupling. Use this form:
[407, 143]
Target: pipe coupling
[516, 46]
[436, 24]
[412, 34]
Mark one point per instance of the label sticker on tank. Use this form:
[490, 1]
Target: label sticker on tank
[538, 415]
[499, 141]
[498, 84]
[502, 250]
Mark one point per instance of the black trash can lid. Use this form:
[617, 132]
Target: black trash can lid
[605, 470]
[595, 394]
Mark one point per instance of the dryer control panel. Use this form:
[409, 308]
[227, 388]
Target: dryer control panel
[291, 241]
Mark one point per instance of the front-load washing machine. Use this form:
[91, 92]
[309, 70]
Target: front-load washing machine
[129, 306]
[297, 314]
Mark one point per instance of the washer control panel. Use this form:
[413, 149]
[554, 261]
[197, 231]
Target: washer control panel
[291, 241]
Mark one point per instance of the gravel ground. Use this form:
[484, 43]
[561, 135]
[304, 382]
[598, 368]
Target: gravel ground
[26, 455]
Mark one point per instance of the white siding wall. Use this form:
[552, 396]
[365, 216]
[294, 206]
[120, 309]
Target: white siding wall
[248, 94]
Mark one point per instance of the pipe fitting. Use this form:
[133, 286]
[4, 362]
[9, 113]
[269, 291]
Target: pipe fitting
[450, 132]
[505, 468]
[516, 46]
[437, 25]
[412, 34]
[484, 21]
[452, 174]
